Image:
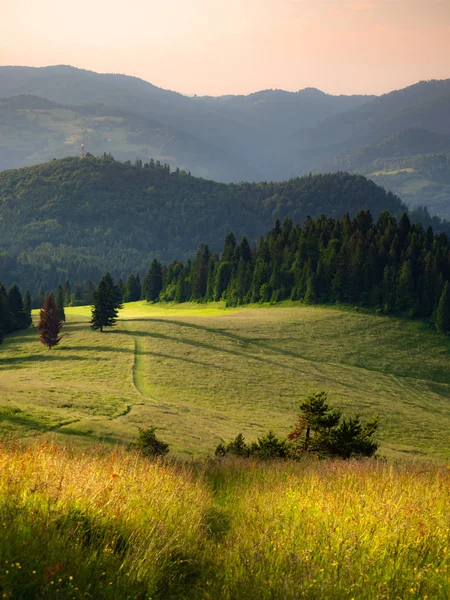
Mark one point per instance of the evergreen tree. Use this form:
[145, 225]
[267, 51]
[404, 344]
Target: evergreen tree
[6, 325]
[67, 293]
[153, 283]
[60, 303]
[107, 303]
[199, 277]
[49, 323]
[319, 429]
[316, 417]
[15, 304]
[27, 308]
[132, 292]
[443, 311]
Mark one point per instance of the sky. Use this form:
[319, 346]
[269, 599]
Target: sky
[215, 47]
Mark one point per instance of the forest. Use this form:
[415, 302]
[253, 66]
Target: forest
[389, 264]
[74, 219]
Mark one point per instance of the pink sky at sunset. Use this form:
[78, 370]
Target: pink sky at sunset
[236, 46]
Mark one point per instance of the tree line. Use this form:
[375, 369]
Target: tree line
[388, 264]
[74, 219]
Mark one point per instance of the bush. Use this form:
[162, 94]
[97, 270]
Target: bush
[268, 447]
[149, 444]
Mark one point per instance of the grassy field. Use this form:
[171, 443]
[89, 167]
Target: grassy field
[202, 374]
[114, 526]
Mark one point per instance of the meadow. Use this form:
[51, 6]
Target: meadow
[113, 525]
[83, 517]
[203, 373]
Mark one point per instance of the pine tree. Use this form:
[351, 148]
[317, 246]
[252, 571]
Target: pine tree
[60, 303]
[49, 323]
[443, 311]
[107, 303]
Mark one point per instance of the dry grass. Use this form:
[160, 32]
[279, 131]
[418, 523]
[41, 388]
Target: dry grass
[87, 524]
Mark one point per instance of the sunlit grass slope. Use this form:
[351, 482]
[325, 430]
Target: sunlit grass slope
[114, 526]
[203, 373]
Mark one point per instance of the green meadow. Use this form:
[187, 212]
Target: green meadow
[203, 373]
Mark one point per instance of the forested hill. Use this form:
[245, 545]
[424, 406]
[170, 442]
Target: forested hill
[74, 218]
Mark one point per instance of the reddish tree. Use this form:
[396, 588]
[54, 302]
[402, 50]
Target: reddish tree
[49, 323]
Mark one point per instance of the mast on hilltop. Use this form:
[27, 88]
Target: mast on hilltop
[82, 148]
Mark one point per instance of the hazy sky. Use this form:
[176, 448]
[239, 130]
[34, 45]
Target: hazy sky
[236, 46]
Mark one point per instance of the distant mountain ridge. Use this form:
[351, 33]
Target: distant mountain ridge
[267, 135]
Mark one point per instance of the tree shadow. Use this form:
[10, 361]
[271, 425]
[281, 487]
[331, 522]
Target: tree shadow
[141, 353]
[37, 358]
[197, 344]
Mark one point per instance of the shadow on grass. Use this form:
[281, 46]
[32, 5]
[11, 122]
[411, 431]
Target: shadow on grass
[17, 417]
[142, 353]
[11, 361]
[219, 349]
[262, 343]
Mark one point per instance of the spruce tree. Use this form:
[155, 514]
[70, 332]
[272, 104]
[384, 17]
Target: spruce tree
[107, 302]
[443, 311]
[60, 303]
[49, 323]
[15, 303]
[153, 283]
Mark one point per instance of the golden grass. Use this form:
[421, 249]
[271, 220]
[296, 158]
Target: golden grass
[79, 524]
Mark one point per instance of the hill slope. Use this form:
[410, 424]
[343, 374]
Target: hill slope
[202, 374]
[414, 164]
[76, 218]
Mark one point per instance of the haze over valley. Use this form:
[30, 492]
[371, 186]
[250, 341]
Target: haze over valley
[401, 140]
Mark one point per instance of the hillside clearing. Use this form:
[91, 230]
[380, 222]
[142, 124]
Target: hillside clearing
[201, 374]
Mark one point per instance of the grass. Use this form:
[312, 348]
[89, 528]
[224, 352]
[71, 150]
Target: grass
[202, 374]
[90, 524]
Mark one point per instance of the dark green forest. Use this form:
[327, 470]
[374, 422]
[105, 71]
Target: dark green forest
[74, 219]
[388, 264]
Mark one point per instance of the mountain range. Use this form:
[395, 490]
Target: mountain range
[401, 140]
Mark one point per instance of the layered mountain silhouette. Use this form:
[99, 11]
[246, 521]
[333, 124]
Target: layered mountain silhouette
[268, 135]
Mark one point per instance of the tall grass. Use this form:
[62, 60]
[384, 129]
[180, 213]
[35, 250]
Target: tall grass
[85, 524]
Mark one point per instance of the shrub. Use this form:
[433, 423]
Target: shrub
[149, 444]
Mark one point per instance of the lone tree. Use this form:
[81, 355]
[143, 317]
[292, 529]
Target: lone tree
[49, 323]
[315, 420]
[443, 311]
[107, 303]
[320, 429]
